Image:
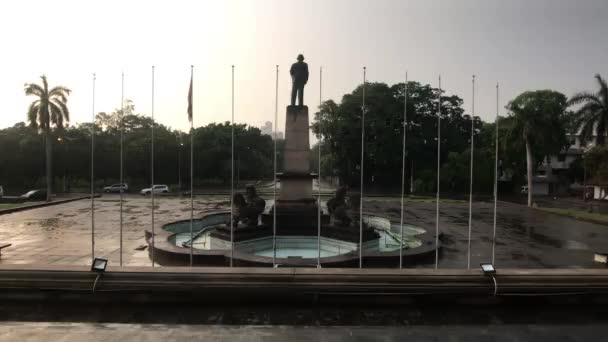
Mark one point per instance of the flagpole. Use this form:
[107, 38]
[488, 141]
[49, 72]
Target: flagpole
[362, 155]
[471, 175]
[152, 170]
[403, 168]
[191, 117]
[274, 190]
[319, 173]
[495, 181]
[232, 178]
[93, 174]
[122, 128]
[438, 177]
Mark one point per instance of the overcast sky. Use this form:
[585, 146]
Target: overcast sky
[523, 44]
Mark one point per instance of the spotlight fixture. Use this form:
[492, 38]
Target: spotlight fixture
[601, 257]
[99, 265]
[488, 269]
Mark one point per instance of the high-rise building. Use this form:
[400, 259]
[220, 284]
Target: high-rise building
[267, 130]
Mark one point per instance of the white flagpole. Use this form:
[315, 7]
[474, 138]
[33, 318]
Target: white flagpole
[152, 170]
[274, 189]
[362, 154]
[232, 178]
[403, 169]
[122, 128]
[471, 175]
[319, 172]
[93, 175]
[495, 180]
[192, 168]
[438, 177]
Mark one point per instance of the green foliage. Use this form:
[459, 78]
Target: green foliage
[538, 117]
[22, 153]
[49, 110]
[592, 116]
[340, 126]
[596, 162]
[537, 124]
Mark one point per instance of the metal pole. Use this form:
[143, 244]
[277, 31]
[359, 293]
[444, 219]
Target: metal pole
[403, 169]
[471, 175]
[438, 177]
[319, 172]
[152, 170]
[362, 154]
[192, 169]
[232, 178]
[122, 128]
[274, 190]
[495, 181]
[179, 163]
[93, 175]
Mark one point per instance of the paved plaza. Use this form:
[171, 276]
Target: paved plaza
[526, 238]
[34, 332]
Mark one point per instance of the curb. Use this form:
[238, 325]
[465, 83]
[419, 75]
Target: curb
[40, 205]
[584, 219]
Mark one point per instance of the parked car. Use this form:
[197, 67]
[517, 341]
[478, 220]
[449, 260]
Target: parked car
[1, 192]
[158, 189]
[34, 195]
[117, 188]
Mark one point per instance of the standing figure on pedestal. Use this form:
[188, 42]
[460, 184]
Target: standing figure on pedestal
[299, 77]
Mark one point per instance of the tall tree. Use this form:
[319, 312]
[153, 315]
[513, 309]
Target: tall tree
[592, 117]
[340, 126]
[50, 109]
[537, 120]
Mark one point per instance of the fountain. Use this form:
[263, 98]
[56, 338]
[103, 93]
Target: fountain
[297, 239]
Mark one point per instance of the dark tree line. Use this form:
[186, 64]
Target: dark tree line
[22, 154]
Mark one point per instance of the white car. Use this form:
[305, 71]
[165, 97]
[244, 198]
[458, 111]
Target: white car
[158, 189]
[117, 188]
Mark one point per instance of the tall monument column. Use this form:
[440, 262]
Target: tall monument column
[296, 208]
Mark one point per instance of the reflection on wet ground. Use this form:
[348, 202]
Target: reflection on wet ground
[526, 238]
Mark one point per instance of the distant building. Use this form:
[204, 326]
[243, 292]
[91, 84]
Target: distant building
[267, 130]
[551, 177]
[600, 188]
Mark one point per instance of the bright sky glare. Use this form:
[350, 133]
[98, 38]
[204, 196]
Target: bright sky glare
[523, 44]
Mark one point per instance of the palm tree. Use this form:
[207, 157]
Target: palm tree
[50, 109]
[592, 116]
[537, 122]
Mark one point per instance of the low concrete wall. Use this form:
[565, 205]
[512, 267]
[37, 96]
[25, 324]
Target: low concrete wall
[243, 283]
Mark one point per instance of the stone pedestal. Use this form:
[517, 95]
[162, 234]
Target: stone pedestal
[296, 179]
[296, 207]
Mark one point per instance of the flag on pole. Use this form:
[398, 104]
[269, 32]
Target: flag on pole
[190, 100]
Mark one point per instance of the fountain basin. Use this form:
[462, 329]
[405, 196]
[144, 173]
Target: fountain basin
[171, 245]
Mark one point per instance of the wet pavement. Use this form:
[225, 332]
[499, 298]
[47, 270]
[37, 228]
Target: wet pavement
[19, 331]
[526, 238]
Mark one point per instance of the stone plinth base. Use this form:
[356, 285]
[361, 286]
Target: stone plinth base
[299, 217]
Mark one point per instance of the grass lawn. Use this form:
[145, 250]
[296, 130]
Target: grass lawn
[577, 214]
[414, 199]
[10, 205]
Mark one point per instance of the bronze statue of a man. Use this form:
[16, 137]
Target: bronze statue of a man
[299, 77]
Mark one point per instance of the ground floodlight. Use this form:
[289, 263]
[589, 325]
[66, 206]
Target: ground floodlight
[601, 257]
[488, 269]
[99, 265]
